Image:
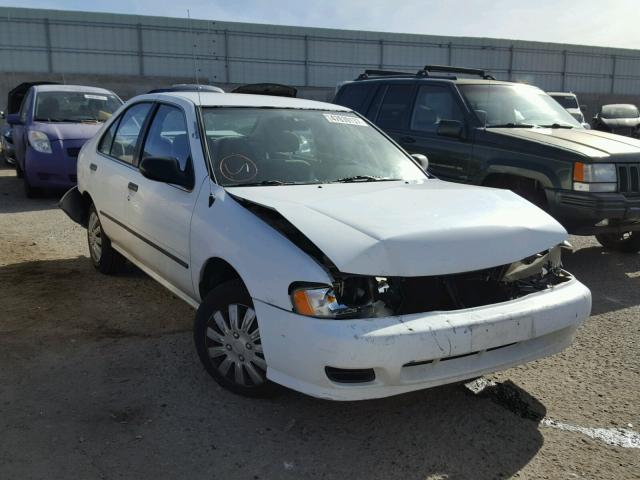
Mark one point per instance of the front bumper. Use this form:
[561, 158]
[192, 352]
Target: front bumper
[56, 169]
[482, 340]
[579, 212]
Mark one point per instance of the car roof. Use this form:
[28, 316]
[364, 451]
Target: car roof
[566, 94]
[71, 88]
[212, 99]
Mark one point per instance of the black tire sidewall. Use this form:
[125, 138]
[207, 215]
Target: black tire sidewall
[219, 298]
[110, 260]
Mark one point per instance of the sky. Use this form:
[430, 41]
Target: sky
[609, 23]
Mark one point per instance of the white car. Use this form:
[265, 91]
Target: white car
[320, 255]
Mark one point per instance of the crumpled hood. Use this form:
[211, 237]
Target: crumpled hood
[600, 146]
[67, 131]
[426, 228]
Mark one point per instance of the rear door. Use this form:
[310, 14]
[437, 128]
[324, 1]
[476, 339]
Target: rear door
[111, 170]
[394, 111]
[448, 156]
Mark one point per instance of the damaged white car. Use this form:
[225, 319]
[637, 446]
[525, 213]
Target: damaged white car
[320, 255]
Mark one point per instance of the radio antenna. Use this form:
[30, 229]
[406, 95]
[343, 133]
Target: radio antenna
[199, 108]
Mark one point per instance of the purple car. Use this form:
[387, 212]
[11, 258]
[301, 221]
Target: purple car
[53, 123]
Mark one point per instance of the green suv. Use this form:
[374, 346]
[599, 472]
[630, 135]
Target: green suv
[508, 135]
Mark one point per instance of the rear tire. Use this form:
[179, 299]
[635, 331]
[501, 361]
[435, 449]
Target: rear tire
[628, 242]
[228, 342]
[104, 258]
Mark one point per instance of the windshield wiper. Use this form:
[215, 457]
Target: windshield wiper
[511, 125]
[263, 183]
[363, 178]
[557, 125]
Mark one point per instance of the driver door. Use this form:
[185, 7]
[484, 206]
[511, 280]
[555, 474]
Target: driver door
[160, 213]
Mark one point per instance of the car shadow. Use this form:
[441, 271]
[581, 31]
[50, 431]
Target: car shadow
[604, 272]
[12, 197]
[124, 369]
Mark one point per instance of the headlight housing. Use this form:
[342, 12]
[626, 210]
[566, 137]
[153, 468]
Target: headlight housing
[595, 177]
[39, 141]
[316, 302]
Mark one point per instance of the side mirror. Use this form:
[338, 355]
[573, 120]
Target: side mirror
[421, 160]
[166, 170]
[482, 116]
[14, 119]
[450, 128]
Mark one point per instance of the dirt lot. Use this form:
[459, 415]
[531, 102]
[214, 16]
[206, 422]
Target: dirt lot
[100, 379]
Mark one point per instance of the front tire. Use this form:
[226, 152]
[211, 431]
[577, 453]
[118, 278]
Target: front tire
[627, 242]
[228, 342]
[104, 258]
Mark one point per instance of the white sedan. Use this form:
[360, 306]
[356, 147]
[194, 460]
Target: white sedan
[320, 255]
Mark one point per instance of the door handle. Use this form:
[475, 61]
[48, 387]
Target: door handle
[407, 139]
[93, 167]
[132, 186]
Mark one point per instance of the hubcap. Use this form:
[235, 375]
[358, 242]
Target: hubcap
[234, 346]
[94, 232]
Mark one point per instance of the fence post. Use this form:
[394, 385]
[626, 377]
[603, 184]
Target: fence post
[613, 73]
[140, 50]
[47, 37]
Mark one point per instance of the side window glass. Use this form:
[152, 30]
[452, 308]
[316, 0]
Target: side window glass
[396, 106]
[107, 139]
[354, 96]
[126, 138]
[433, 104]
[24, 108]
[168, 136]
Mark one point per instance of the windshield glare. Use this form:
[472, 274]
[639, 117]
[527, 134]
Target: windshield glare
[271, 146]
[619, 111]
[75, 106]
[513, 105]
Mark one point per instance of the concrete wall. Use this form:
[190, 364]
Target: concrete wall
[131, 54]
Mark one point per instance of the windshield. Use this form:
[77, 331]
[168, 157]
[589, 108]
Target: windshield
[566, 101]
[267, 146]
[75, 106]
[619, 111]
[515, 105]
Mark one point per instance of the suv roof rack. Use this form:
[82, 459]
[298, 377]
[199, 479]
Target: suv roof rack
[447, 69]
[426, 72]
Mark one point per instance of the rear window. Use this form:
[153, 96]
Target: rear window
[353, 96]
[619, 111]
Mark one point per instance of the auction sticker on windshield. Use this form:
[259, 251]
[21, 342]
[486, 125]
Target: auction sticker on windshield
[89, 96]
[333, 118]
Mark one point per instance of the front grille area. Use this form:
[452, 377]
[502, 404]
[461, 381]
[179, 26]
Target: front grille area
[629, 178]
[73, 151]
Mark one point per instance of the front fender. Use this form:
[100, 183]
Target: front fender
[543, 179]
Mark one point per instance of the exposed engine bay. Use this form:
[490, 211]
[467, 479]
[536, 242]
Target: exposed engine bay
[364, 296]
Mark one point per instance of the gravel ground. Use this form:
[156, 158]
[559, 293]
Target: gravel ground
[100, 379]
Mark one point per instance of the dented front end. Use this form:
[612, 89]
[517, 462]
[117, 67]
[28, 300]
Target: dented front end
[364, 296]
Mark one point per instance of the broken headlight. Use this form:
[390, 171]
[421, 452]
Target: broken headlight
[356, 299]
